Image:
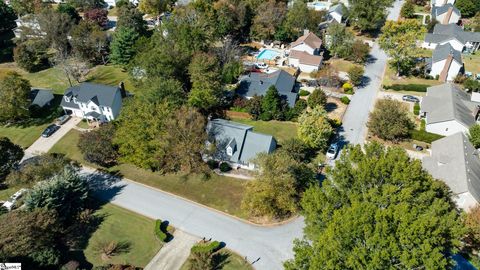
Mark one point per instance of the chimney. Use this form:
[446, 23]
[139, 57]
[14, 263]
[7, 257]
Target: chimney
[121, 87]
[306, 32]
[261, 82]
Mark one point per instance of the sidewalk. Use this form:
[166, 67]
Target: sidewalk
[174, 253]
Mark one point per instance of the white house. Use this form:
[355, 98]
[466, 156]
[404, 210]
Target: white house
[448, 110]
[446, 63]
[336, 13]
[308, 43]
[94, 102]
[446, 14]
[439, 3]
[455, 161]
[29, 26]
[304, 52]
[454, 35]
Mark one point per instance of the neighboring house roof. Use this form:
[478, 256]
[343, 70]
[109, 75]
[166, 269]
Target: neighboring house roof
[309, 39]
[455, 161]
[306, 59]
[446, 32]
[337, 9]
[445, 9]
[246, 144]
[257, 83]
[101, 95]
[41, 97]
[446, 102]
[442, 52]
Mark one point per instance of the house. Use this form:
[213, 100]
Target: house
[304, 61]
[237, 143]
[335, 13]
[455, 161]
[28, 25]
[439, 3]
[446, 63]
[448, 110]
[446, 14]
[41, 97]
[308, 43]
[96, 102]
[453, 34]
[257, 84]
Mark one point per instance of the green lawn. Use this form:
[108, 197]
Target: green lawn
[472, 63]
[281, 130]
[22, 136]
[391, 78]
[121, 225]
[83, 124]
[219, 192]
[341, 64]
[233, 262]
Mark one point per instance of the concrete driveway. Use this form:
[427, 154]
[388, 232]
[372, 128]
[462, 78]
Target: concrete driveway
[43, 145]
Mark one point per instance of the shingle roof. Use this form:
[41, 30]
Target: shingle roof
[257, 83]
[442, 52]
[305, 58]
[41, 97]
[336, 8]
[246, 143]
[455, 162]
[310, 39]
[102, 95]
[447, 102]
[445, 32]
[436, 11]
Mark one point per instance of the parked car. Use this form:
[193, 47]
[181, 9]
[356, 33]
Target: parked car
[63, 119]
[50, 130]
[332, 151]
[410, 98]
[13, 199]
[261, 65]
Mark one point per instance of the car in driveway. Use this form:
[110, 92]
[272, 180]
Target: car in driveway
[410, 98]
[332, 151]
[63, 119]
[50, 130]
[261, 65]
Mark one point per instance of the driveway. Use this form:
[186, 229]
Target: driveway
[43, 145]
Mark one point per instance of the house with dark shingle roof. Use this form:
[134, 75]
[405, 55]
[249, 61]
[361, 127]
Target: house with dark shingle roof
[237, 143]
[446, 63]
[453, 34]
[257, 84]
[446, 14]
[456, 162]
[91, 101]
[41, 97]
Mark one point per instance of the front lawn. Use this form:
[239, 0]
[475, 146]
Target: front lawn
[233, 262]
[124, 226]
[472, 63]
[391, 78]
[281, 130]
[23, 136]
[219, 192]
[341, 64]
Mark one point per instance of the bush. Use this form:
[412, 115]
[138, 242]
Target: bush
[212, 164]
[303, 93]
[423, 136]
[225, 167]
[407, 87]
[317, 98]
[160, 231]
[347, 88]
[335, 123]
[416, 109]
[355, 74]
[345, 100]
[206, 248]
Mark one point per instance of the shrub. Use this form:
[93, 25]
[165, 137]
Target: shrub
[159, 232]
[212, 164]
[206, 248]
[345, 100]
[407, 87]
[355, 74]
[335, 122]
[390, 120]
[347, 88]
[416, 109]
[225, 167]
[423, 136]
[303, 93]
[317, 98]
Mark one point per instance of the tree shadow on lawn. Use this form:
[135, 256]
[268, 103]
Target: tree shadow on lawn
[40, 116]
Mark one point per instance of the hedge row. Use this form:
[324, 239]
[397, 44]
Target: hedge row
[416, 109]
[407, 87]
[206, 248]
[303, 93]
[423, 136]
[159, 231]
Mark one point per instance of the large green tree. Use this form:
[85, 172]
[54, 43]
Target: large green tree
[97, 146]
[7, 18]
[272, 105]
[378, 209]
[300, 17]
[314, 128]
[123, 46]
[22, 7]
[317, 98]
[155, 7]
[468, 8]
[339, 40]
[390, 120]
[368, 15]
[206, 81]
[10, 156]
[31, 55]
[474, 135]
[14, 98]
[131, 17]
[269, 17]
[89, 42]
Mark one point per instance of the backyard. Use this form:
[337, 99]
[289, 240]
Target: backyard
[472, 63]
[281, 130]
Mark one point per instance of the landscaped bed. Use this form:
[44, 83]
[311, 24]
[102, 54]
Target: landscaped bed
[391, 78]
[233, 262]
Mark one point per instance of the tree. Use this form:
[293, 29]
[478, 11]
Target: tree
[30, 238]
[355, 74]
[471, 85]
[31, 55]
[340, 40]
[254, 106]
[314, 129]
[89, 42]
[56, 26]
[23, 7]
[122, 46]
[10, 156]
[97, 146]
[66, 193]
[408, 10]
[7, 18]
[359, 52]
[38, 169]
[277, 188]
[160, 89]
[472, 224]
[317, 98]
[14, 98]
[155, 7]
[298, 19]
[73, 67]
[84, 5]
[389, 120]
[475, 23]
[130, 17]
[468, 8]
[368, 15]
[271, 105]
[295, 149]
[474, 135]
[205, 77]
[377, 209]
[231, 18]
[398, 39]
[269, 17]
[70, 11]
[98, 16]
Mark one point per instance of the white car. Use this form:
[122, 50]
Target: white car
[332, 151]
[13, 199]
[261, 65]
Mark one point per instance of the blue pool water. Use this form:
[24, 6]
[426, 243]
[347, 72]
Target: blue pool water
[319, 5]
[268, 54]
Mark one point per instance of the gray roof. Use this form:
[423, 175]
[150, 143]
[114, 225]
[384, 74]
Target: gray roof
[445, 32]
[41, 97]
[257, 83]
[447, 102]
[246, 144]
[338, 8]
[442, 52]
[102, 95]
[455, 162]
[436, 11]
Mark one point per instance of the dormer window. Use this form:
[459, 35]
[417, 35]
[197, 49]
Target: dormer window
[67, 98]
[75, 100]
[231, 147]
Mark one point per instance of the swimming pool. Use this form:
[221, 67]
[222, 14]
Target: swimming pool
[267, 54]
[319, 5]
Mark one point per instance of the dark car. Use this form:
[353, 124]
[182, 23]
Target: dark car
[410, 98]
[50, 130]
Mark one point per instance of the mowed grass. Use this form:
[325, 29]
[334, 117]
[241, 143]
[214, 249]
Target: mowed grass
[391, 78]
[233, 262]
[281, 130]
[219, 192]
[472, 63]
[341, 64]
[122, 225]
[23, 136]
